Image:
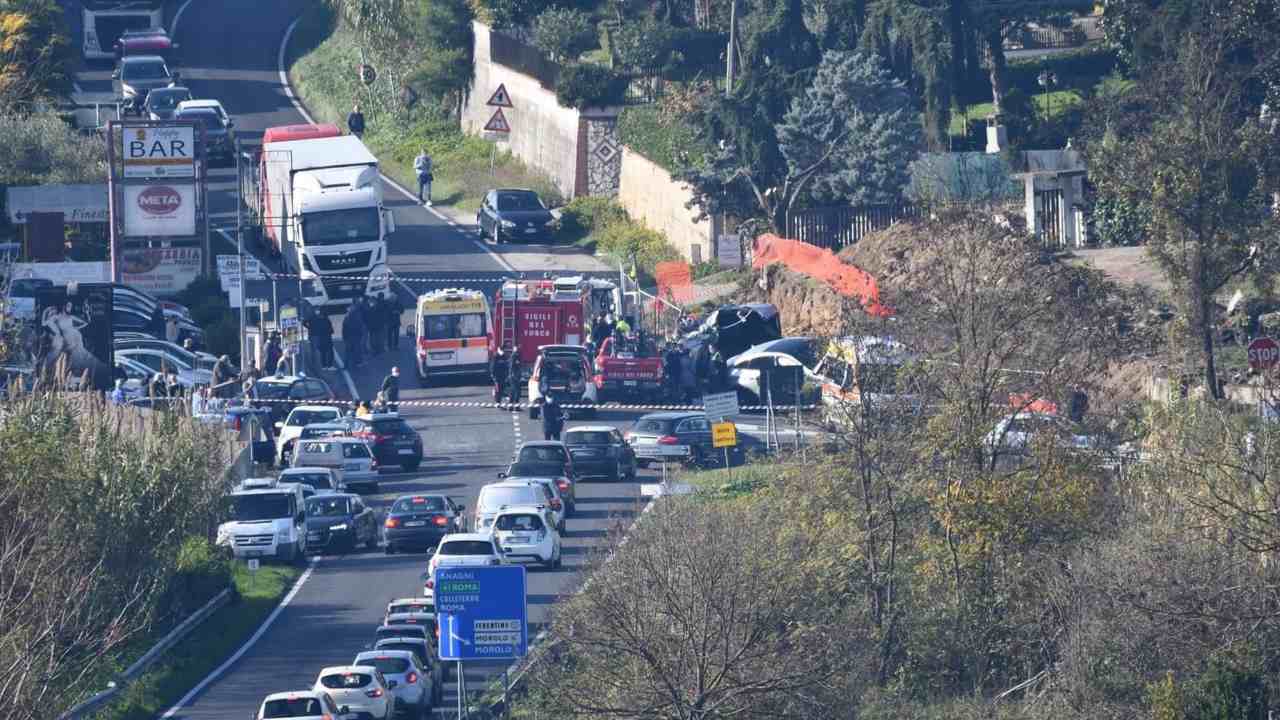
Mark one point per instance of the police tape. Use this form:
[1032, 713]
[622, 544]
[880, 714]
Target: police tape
[390, 277]
[527, 406]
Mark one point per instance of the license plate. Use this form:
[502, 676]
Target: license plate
[351, 288]
[517, 540]
[531, 231]
[584, 453]
[253, 553]
[415, 523]
[442, 355]
[406, 451]
[629, 383]
[351, 467]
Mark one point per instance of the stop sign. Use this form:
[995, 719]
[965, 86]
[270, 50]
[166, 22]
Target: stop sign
[1263, 353]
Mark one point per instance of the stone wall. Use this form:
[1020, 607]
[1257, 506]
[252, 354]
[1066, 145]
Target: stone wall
[649, 194]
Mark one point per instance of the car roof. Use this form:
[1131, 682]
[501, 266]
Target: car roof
[280, 379]
[376, 654]
[542, 443]
[289, 694]
[171, 89]
[591, 428]
[135, 59]
[520, 481]
[331, 495]
[409, 599]
[325, 426]
[523, 510]
[514, 190]
[671, 415]
[314, 408]
[467, 536]
[200, 103]
[335, 669]
[305, 469]
[382, 416]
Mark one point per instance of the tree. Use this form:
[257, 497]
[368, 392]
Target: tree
[43, 149]
[446, 69]
[35, 53]
[1202, 165]
[564, 33]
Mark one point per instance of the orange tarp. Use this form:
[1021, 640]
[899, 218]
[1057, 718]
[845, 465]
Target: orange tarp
[675, 281]
[820, 264]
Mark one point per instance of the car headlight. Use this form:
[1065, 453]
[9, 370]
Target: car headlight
[224, 537]
[337, 528]
[507, 224]
[282, 536]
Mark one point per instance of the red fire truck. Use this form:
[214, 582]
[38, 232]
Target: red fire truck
[528, 314]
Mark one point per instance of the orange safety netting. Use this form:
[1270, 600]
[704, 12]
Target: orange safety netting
[675, 281]
[820, 264]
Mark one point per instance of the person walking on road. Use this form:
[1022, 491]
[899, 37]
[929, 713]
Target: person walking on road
[355, 121]
[395, 309]
[552, 419]
[498, 372]
[391, 389]
[353, 332]
[422, 166]
[513, 378]
[376, 319]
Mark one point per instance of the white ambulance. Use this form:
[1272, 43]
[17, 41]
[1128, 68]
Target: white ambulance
[454, 331]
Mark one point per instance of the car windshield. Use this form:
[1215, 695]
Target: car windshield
[323, 507]
[387, 665]
[587, 437]
[149, 70]
[166, 99]
[418, 650]
[651, 425]
[541, 453]
[212, 122]
[519, 201]
[292, 708]
[423, 503]
[534, 469]
[493, 498]
[319, 481]
[271, 390]
[421, 606]
[260, 506]
[466, 547]
[343, 681]
[523, 521]
[338, 227]
[309, 417]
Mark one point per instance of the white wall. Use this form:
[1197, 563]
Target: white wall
[652, 197]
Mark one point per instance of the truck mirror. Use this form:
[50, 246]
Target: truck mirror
[389, 220]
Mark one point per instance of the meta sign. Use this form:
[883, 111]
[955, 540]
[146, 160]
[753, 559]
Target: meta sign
[159, 152]
[482, 612]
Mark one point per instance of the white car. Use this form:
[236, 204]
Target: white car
[462, 550]
[528, 533]
[510, 493]
[288, 431]
[302, 705]
[212, 104]
[406, 677]
[555, 498]
[1016, 433]
[409, 605]
[360, 689]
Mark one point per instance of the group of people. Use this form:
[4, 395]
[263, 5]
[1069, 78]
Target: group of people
[687, 375]
[370, 327]
[504, 369]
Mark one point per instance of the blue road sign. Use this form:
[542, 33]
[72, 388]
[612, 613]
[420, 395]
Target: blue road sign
[482, 613]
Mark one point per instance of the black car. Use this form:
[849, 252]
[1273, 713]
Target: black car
[683, 437]
[600, 451]
[162, 103]
[340, 521]
[218, 136]
[419, 521]
[282, 393]
[391, 439]
[516, 215]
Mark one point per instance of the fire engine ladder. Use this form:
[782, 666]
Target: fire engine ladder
[507, 321]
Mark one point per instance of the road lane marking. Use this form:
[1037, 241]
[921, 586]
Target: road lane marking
[297, 104]
[253, 639]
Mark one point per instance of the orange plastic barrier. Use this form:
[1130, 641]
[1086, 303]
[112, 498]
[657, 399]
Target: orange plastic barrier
[820, 264]
[675, 281]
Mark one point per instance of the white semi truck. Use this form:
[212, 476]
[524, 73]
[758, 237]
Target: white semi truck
[319, 200]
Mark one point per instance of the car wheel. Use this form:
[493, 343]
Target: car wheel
[412, 466]
[695, 457]
[299, 557]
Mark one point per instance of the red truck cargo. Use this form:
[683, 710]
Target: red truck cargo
[625, 369]
[531, 313]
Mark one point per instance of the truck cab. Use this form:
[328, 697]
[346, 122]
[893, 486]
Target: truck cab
[268, 520]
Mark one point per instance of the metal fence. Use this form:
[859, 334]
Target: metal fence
[836, 227]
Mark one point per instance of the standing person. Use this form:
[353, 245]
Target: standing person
[552, 419]
[221, 376]
[274, 353]
[395, 309]
[719, 372]
[321, 331]
[376, 319]
[498, 371]
[422, 166]
[171, 329]
[513, 377]
[355, 121]
[391, 389]
[353, 335]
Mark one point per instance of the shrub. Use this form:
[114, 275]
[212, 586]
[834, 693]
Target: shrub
[664, 138]
[564, 33]
[200, 573]
[1081, 70]
[586, 215]
[644, 45]
[584, 86]
[695, 51]
[631, 242]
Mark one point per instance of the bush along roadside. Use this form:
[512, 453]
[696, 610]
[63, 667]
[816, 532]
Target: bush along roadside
[602, 225]
[462, 163]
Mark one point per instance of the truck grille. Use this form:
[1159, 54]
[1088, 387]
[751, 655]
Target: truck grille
[355, 262]
[253, 540]
[338, 289]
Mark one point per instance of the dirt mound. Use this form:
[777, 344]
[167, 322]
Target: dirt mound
[806, 306]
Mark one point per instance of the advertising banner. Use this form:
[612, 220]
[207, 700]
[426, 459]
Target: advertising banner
[75, 323]
[61, 273]
[161, 210]
[160, 271]
[159, 152]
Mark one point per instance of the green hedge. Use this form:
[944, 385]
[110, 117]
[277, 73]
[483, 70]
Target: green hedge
[201, 572]
[1080, 69]
[664, 139]
[583, 86]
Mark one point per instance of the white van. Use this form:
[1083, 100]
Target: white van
[268, 520]
[453, 331]
[349, 455]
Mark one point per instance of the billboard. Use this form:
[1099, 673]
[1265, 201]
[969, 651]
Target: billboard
[158, 152]
[74, 322]
[160, 271]
[159, 210]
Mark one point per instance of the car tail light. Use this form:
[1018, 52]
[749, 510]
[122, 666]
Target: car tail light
[563, 484]
[374, 693]
[555, 504]
[392, 523]
[441, 520]
[627, 437]
[437, 632]
[411, 678]
[668, 440]
[431, 584]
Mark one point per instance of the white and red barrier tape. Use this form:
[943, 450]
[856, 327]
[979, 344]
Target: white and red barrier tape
[525, 406]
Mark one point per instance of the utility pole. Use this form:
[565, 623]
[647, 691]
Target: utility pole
[244, 353]
[732, 48]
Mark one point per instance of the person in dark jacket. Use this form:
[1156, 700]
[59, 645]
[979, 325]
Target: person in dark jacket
[395, 308]
[320, 328]
[274, 353]
[552, 419]
[222, 378]
[355, 121]
[353, 335]
[498, 371]
[376, 319]
[719, 372]
[391, 390]
[513, 377]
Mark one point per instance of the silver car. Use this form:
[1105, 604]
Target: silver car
[407, 678]
[350, 455]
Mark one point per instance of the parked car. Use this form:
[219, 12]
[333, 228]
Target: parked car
[219, 133]
[519, 215]
[392, 439]
[349, 455]
[288, 430]
[321, 479]
[420, 521]
[302, 705]
[198, 360]
[282, 393]
[162, 103]
[1016, 434]
[409, 680]
[528, 533]
[137, 76]
[163, 361]
[683, 437]
[361, 688]
[600, 451]
[340, 521]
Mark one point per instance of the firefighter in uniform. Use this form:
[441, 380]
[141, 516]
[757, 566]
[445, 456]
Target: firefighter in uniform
[498, 371]
[513, 377]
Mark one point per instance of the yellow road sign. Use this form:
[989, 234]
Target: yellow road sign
[724, 434]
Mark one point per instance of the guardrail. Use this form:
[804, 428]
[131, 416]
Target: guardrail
[131, 673]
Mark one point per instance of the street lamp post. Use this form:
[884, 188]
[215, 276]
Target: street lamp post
[1047, 80]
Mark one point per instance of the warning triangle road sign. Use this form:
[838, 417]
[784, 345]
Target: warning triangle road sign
[498, 123]
[500, 97]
